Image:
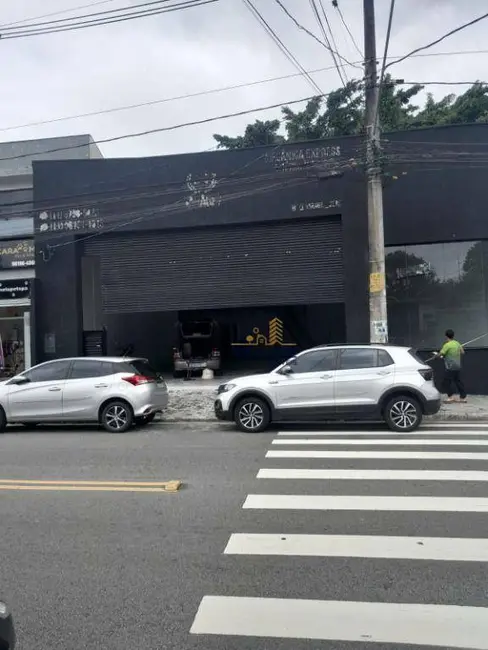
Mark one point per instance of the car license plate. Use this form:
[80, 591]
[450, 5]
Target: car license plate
[197, 365]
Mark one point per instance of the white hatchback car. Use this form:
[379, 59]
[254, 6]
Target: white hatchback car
[116, 392]
[348, 382]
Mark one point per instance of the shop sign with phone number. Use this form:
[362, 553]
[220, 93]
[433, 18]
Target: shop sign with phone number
[17, 254]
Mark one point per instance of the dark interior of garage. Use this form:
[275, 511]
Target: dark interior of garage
[256, 338]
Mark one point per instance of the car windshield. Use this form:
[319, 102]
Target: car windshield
[196, 328]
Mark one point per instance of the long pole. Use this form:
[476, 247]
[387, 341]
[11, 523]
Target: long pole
[378, 319]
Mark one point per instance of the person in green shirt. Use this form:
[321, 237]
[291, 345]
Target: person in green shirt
[452, 352]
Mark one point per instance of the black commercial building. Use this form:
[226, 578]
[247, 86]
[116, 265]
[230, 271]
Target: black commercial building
[270, 242]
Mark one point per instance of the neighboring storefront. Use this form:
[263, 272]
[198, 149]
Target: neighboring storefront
[17, 260]
[271, 243]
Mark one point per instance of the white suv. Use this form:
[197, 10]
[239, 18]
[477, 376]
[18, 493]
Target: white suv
[345, 382]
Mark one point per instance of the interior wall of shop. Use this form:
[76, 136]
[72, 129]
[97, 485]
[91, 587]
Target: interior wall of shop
[424, 203]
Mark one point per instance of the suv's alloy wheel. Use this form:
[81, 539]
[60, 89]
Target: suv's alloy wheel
[252, 415]
[403, 413]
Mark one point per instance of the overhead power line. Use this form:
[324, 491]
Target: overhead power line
[336, 49]
[107, 20]
[387, 41]
[165, 100]
[335, 4]
[354, 64]
[326, 39]
[438, 40]
[211, 91]
[75, 19]
[385, 55]
[277, 40]
[174, 127]
[56, 13]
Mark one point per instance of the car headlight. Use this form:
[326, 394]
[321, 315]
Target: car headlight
[225, 388]
[3, 610]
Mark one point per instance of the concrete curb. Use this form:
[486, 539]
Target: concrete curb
[195, 404]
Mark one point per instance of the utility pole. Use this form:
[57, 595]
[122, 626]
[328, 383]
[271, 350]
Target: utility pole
[378, 319]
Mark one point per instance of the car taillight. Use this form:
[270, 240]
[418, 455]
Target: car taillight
[137, 380]
[427, 374]
[176, 354]
[215, 352]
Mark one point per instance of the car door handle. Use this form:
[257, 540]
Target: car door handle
[54, 388]
[325, 376]
[384, 372]
[101, 385]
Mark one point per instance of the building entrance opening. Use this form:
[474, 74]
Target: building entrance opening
[15, 340]
[244, 339]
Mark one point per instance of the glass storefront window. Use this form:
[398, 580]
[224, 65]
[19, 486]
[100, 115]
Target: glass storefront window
[434, 287]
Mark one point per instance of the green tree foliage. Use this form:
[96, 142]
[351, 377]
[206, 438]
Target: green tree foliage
[256, 134]
[341, 113]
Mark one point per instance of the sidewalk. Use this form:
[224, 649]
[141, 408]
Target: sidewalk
[192, 401]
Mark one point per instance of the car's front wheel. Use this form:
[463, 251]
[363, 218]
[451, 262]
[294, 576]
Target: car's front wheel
[117, 417]
[252, 415]
[403, 414]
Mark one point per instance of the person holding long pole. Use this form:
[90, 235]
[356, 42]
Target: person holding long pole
[452, 352]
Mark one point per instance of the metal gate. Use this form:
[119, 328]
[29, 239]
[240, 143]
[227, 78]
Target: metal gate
[280, 263]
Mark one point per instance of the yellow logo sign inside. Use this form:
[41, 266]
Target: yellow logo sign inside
[275, 336]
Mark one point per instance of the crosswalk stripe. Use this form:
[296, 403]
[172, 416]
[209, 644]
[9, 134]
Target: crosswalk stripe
[389, 442]
[446, 626]
[373, 474]
[361, 546]
[365, 432]
[353, 502]
[359, 455]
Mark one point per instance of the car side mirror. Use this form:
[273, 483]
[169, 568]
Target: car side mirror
[19, 380]
[7, 631]
[286, 370]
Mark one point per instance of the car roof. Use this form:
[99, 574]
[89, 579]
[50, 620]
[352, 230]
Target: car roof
[361, 345]
[109, 359]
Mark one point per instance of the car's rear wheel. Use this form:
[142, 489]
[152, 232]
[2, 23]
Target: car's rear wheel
[3, 420]
[145, 419]
[252, 415]
[117, 417]
[403, 413]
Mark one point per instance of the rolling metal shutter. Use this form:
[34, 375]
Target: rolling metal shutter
[281, 263]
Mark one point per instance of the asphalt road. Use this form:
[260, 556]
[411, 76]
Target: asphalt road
[104, 569]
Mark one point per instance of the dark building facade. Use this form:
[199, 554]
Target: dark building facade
[246, 237]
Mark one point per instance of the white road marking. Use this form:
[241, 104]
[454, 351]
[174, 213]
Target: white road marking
[391, 442]
[459, 425]
[373, 474]
[364, 432]
[359, 455]
[346, 502]
[445, 626]
[364, 546]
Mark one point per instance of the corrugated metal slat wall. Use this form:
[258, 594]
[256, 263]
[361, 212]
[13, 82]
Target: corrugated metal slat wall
[286, 263]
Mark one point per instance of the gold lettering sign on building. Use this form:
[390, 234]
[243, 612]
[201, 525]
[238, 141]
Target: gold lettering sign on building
[275, 336]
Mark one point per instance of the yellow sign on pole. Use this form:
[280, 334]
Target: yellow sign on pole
[376, 282]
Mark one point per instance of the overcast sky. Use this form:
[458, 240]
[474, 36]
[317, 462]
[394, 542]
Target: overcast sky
[200, 49]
